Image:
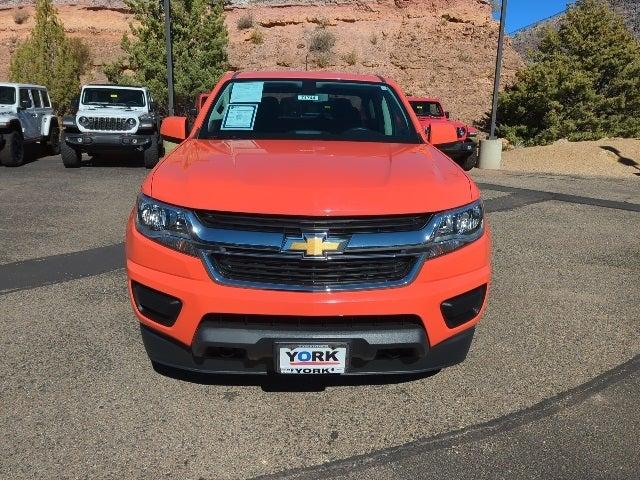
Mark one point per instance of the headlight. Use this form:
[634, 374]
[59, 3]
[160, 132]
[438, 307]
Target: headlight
[165, 224]
[461, 131]
[131, 122]
[453, 229]
[146, 122]
[84, 121]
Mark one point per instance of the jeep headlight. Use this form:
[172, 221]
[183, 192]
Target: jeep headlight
[84, 121]
[131, 122]
[461, 131]
[165, 224]
[456, 228]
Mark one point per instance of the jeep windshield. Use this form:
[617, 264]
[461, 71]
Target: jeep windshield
[117, 97]
[308, 110]
[427, 109]
[7, 95]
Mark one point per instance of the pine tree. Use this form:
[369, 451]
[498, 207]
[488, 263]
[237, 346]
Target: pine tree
[583, 83]
[199, 49]
[49, 58]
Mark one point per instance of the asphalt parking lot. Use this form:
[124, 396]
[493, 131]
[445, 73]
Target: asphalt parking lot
[549, 389]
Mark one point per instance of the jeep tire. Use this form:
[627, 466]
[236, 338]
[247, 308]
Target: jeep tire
[12, 155]
[53, 141]
[71, 157]
[151, 154]
[469, 162]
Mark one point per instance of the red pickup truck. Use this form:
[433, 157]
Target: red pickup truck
[463, 151]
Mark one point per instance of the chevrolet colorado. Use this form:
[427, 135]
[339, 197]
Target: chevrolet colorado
[305, 225]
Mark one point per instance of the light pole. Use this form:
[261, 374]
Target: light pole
[496, 78]
[169, 47]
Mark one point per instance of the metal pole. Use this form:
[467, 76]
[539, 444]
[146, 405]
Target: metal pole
[167, 37]
[496, 79]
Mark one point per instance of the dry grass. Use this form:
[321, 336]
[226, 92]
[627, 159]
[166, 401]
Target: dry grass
[323, 60]
[245, 21]
[322, 41]
[20, 16]
[256, 37]
[350, 58]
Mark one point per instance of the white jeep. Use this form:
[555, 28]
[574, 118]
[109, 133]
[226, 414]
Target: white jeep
[112, 118]
[26, 116]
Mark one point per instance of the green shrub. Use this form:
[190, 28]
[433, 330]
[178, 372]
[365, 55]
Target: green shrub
[256, 37]
[322, 41]
[583, 83]
[323, 60]
[20, 16]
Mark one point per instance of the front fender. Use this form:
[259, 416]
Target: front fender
[47, 121]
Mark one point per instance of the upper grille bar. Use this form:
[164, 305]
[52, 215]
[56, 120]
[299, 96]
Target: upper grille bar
[293, 225]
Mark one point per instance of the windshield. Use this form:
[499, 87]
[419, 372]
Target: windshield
[427, 109]
[7, 95]
[113, 96]
[308, 109]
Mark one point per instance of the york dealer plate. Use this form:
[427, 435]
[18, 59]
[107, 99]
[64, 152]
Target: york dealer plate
[311, 359]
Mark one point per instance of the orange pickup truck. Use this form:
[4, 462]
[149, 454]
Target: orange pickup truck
[306, 225]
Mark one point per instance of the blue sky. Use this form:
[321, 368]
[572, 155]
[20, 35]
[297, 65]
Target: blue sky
[524, 12]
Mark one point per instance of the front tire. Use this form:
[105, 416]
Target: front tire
[12, 155]
[152, 153]
[53, 142]
[469, 162]
[71, 157]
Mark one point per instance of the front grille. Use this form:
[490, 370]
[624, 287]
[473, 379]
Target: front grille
[340, 271]
[107, 124]
[295, 225]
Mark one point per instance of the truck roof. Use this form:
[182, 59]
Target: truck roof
[109, 85]
[23, 85]
[298, 74]
[423, 99]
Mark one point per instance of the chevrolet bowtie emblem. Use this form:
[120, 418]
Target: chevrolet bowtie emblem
[314, 244]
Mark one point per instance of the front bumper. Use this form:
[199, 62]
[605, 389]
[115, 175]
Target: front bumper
[459, 150]
[183, 344]
[100, 141]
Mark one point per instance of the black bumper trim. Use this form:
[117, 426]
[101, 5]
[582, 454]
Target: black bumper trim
[458, 150]
[107, 140]
[250, 351]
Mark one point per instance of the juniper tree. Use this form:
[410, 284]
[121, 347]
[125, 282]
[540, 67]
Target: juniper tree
[583, 82]
[199, 49]
[48, 57]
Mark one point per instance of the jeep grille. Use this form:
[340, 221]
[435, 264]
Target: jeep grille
[107, 124]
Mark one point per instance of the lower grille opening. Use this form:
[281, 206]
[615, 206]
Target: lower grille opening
[155, 305]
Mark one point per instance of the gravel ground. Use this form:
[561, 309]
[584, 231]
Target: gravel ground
[609, 157]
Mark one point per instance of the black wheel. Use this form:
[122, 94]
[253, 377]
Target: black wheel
[53, 142]
[12, 155]
[71, 157]
[152, 153]
[469, 162]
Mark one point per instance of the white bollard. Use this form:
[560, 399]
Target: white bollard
[490, 154]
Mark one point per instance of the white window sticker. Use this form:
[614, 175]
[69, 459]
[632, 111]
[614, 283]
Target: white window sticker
[318, 97]
[239, 117]
[247, 92]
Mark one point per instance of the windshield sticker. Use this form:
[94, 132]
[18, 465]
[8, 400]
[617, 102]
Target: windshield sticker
[114, 95]
[318, 97]
[239, 117]
[247, 92]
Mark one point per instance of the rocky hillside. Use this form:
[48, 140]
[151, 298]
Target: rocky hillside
[528, 39]
[443, 48]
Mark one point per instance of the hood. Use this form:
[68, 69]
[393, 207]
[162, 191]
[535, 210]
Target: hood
[110, 112]
[425, 121]
[309, 178]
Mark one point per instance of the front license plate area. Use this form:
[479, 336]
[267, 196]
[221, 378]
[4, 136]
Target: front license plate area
[311, 358]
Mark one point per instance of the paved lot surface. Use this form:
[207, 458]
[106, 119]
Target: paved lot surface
[549, 389]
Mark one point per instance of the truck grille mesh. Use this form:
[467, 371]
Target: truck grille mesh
[107, 124]
[313, 274]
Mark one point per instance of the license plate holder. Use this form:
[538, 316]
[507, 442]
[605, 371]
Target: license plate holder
[311, 358]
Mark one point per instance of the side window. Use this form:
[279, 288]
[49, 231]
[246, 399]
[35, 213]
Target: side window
[217, 112]
[35, 94]
[25, 98]
[46, 102]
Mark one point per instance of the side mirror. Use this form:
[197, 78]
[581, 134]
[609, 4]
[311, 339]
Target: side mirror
[440, 133]
[447, 114]
[174, 129]
[152, 106]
